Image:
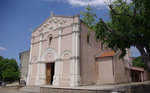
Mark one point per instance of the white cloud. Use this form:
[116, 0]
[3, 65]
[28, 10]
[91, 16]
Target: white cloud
[94, 3]
[2, 48]
[52, 0]
[81, 3]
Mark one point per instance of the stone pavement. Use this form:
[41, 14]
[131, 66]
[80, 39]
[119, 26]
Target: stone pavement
[112, 87]
[33, 89]
[134, 87]
[103, 87]
[5, 90]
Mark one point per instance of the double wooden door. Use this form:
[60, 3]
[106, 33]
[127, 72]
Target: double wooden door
[49, 72]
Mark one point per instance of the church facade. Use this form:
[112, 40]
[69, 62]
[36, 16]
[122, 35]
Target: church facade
[61, 54]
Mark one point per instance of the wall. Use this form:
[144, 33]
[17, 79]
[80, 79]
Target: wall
[121, 69]
[87, 54]
[24, 64]
[104, 70]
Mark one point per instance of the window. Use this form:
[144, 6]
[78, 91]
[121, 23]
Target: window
[50, 40]
[88, 39]
[102, 46]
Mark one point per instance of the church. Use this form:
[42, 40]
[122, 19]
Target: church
[61, 54]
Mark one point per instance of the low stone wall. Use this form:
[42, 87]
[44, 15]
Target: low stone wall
[12, 87]
[63, 90]
[140, 88]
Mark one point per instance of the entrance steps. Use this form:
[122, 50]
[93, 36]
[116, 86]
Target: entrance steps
[32, 89]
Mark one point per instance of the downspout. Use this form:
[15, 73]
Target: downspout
[113, 68]
[80, 49]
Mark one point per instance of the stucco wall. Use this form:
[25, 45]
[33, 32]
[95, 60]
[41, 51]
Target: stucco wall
[66, 43]
[65, 76]
[24, 64]
[104, 70]
[122, 73]
[87, 54]
[35, 50]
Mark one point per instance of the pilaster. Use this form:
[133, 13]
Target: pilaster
[29, 69]
[75, 78]
[39, 59]
[42, 76]
[58, 62]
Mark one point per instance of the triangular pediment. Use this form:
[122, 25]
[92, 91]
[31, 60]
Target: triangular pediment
[51, 23]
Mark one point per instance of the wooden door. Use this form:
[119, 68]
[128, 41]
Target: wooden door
[48, 73]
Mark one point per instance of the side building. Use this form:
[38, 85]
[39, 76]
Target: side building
[24, 66]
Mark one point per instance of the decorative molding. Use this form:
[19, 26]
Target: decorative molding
[57, 36]
[39, 41]
[66, 52]
[35, 57]
[51, 24]
[47, 51]
[50, 35]
[62, 16]
[58, 29]
[58, 59]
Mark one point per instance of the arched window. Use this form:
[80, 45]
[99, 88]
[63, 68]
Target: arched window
[50, 40]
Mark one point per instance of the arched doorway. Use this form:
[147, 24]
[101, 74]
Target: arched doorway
[48, 57]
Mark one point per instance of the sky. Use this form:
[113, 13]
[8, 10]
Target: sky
[18, 18]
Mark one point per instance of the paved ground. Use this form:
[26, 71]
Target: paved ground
[35, 89]
[10, 91]
[102, 87]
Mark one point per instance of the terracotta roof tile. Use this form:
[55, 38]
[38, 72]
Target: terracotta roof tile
[107, 54]
[137, 68]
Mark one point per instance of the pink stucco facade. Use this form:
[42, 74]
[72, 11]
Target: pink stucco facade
[59, 46]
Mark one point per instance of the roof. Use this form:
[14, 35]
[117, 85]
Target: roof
[137, 68]
[105, 54]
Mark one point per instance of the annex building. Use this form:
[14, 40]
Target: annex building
[61, 54]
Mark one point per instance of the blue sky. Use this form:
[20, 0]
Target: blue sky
[18, 18]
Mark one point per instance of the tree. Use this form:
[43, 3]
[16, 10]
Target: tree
[10, 74]
[129, 25]
[1, 67]
[138, 62]
[8, 69]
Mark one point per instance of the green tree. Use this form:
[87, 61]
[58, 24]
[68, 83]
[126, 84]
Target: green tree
[128, 26]
[138, 62]
[1, 58]
[8, 69]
